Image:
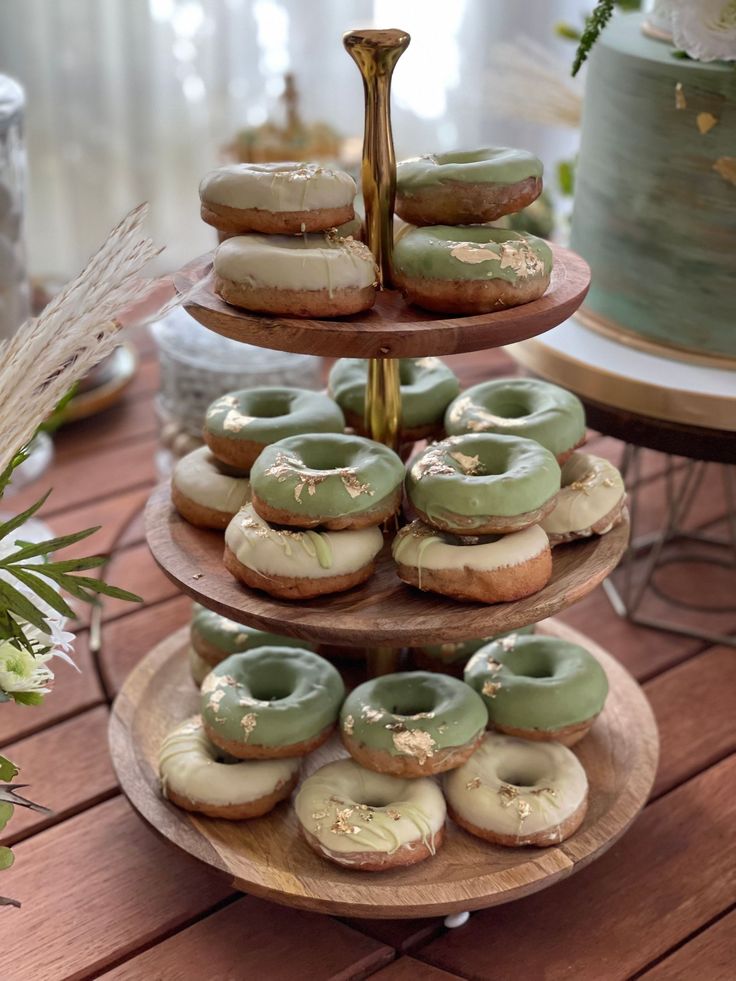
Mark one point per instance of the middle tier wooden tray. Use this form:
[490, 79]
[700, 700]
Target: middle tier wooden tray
[393, 328]
[382, 612]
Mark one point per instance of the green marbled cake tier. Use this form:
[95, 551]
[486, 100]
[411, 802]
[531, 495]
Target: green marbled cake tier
[654, 219]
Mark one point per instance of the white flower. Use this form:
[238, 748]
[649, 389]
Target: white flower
[705, 29]
[24, 677]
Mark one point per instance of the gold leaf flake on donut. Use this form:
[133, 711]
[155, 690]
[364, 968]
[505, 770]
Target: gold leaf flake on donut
[470, 465]
[508, 643]
[521, 258]
[209, 684]
[393, 813]
[524, 809]
[491, 688]
[415, 743]
[285, 467]
[234, 421]
[215, 698]
[473, 253]
[508, 794]
[419, 715]
[348, 725]
[442, 728]
[587, 482]
[371, 715]
[319, 815]
[473, 784]
[342, 825]
[248, 722]
[493, 665]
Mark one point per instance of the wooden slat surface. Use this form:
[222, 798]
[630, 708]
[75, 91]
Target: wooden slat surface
[103, 896]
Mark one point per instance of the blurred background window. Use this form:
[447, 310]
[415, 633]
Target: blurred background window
[132, 100]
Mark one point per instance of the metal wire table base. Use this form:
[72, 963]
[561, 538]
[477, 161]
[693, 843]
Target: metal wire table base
[648, 553]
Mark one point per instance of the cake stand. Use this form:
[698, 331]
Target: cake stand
[266, 856]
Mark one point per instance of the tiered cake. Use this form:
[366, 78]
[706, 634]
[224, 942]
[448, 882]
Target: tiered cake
[655, 203]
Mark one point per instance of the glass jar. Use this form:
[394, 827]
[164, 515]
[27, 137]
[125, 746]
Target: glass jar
[197, 366]
[14, 286]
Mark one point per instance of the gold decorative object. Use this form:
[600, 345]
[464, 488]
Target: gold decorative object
[376, 53]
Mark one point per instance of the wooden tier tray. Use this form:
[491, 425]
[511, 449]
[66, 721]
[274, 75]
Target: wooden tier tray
[268, 858]
[382, 612]
[392, 329]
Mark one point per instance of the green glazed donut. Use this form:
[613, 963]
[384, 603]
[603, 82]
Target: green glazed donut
[524, 407]
[488, 165]
[452, 657]
[238, 425]
[539, 687]
[214, 637]
[332, 480]
[483, 484]
[412, 723]
[271, 702]
[469, 252]
[427, 388]
[466, 186]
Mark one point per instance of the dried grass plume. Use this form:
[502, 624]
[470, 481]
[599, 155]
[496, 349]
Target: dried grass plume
[78, 328]
[530, 83]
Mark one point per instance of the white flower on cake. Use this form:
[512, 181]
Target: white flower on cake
[705, 30]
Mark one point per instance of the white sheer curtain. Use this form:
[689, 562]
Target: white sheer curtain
[131, 100]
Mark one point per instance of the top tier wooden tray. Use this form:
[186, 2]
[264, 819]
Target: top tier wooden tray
[393, 328]
[383, 611]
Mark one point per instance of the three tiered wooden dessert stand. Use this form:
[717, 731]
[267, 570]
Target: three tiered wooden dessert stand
[267, 856]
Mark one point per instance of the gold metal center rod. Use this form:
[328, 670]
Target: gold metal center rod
[376, 53]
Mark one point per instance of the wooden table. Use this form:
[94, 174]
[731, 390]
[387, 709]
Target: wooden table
[104, 897]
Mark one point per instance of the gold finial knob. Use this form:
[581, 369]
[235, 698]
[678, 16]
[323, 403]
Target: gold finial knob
[376, 53]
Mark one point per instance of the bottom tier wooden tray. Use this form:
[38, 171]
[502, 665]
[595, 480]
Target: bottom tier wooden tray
[268, 858]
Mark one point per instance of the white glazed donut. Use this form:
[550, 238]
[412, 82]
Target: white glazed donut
[590, 501]
[276, 198]
[370, 821]
[518, 792]
[490, 568]
[298, 564]
[194, 778]
[304, 276]
[203, 494]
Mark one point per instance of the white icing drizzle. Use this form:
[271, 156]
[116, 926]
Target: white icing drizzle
[285, 186]
[591, 488]
[310, 554]
[293, 262]
[481, 790]
[188, 766]
[351, 809]
[199, 478]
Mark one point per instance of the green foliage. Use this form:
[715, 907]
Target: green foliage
[567, 32]
[15, 605]
[566, 177]
[6, 858]
[594, 24]
[6, 812]
[8, 770]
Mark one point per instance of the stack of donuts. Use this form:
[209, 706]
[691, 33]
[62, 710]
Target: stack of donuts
[291, 238]
[301, 501]
[491, 498]
[491, 750]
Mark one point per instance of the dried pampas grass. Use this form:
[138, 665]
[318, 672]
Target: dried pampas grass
[79, 327]
[528, 82]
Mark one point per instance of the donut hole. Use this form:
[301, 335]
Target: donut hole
[375, 799]
[269, 685]
[531, 663]
[269, 406]
[510, 409]
[413, 703]
[523, 779]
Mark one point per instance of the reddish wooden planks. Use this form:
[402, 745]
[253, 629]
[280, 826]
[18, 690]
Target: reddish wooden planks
[95, 889]
[254, 939]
